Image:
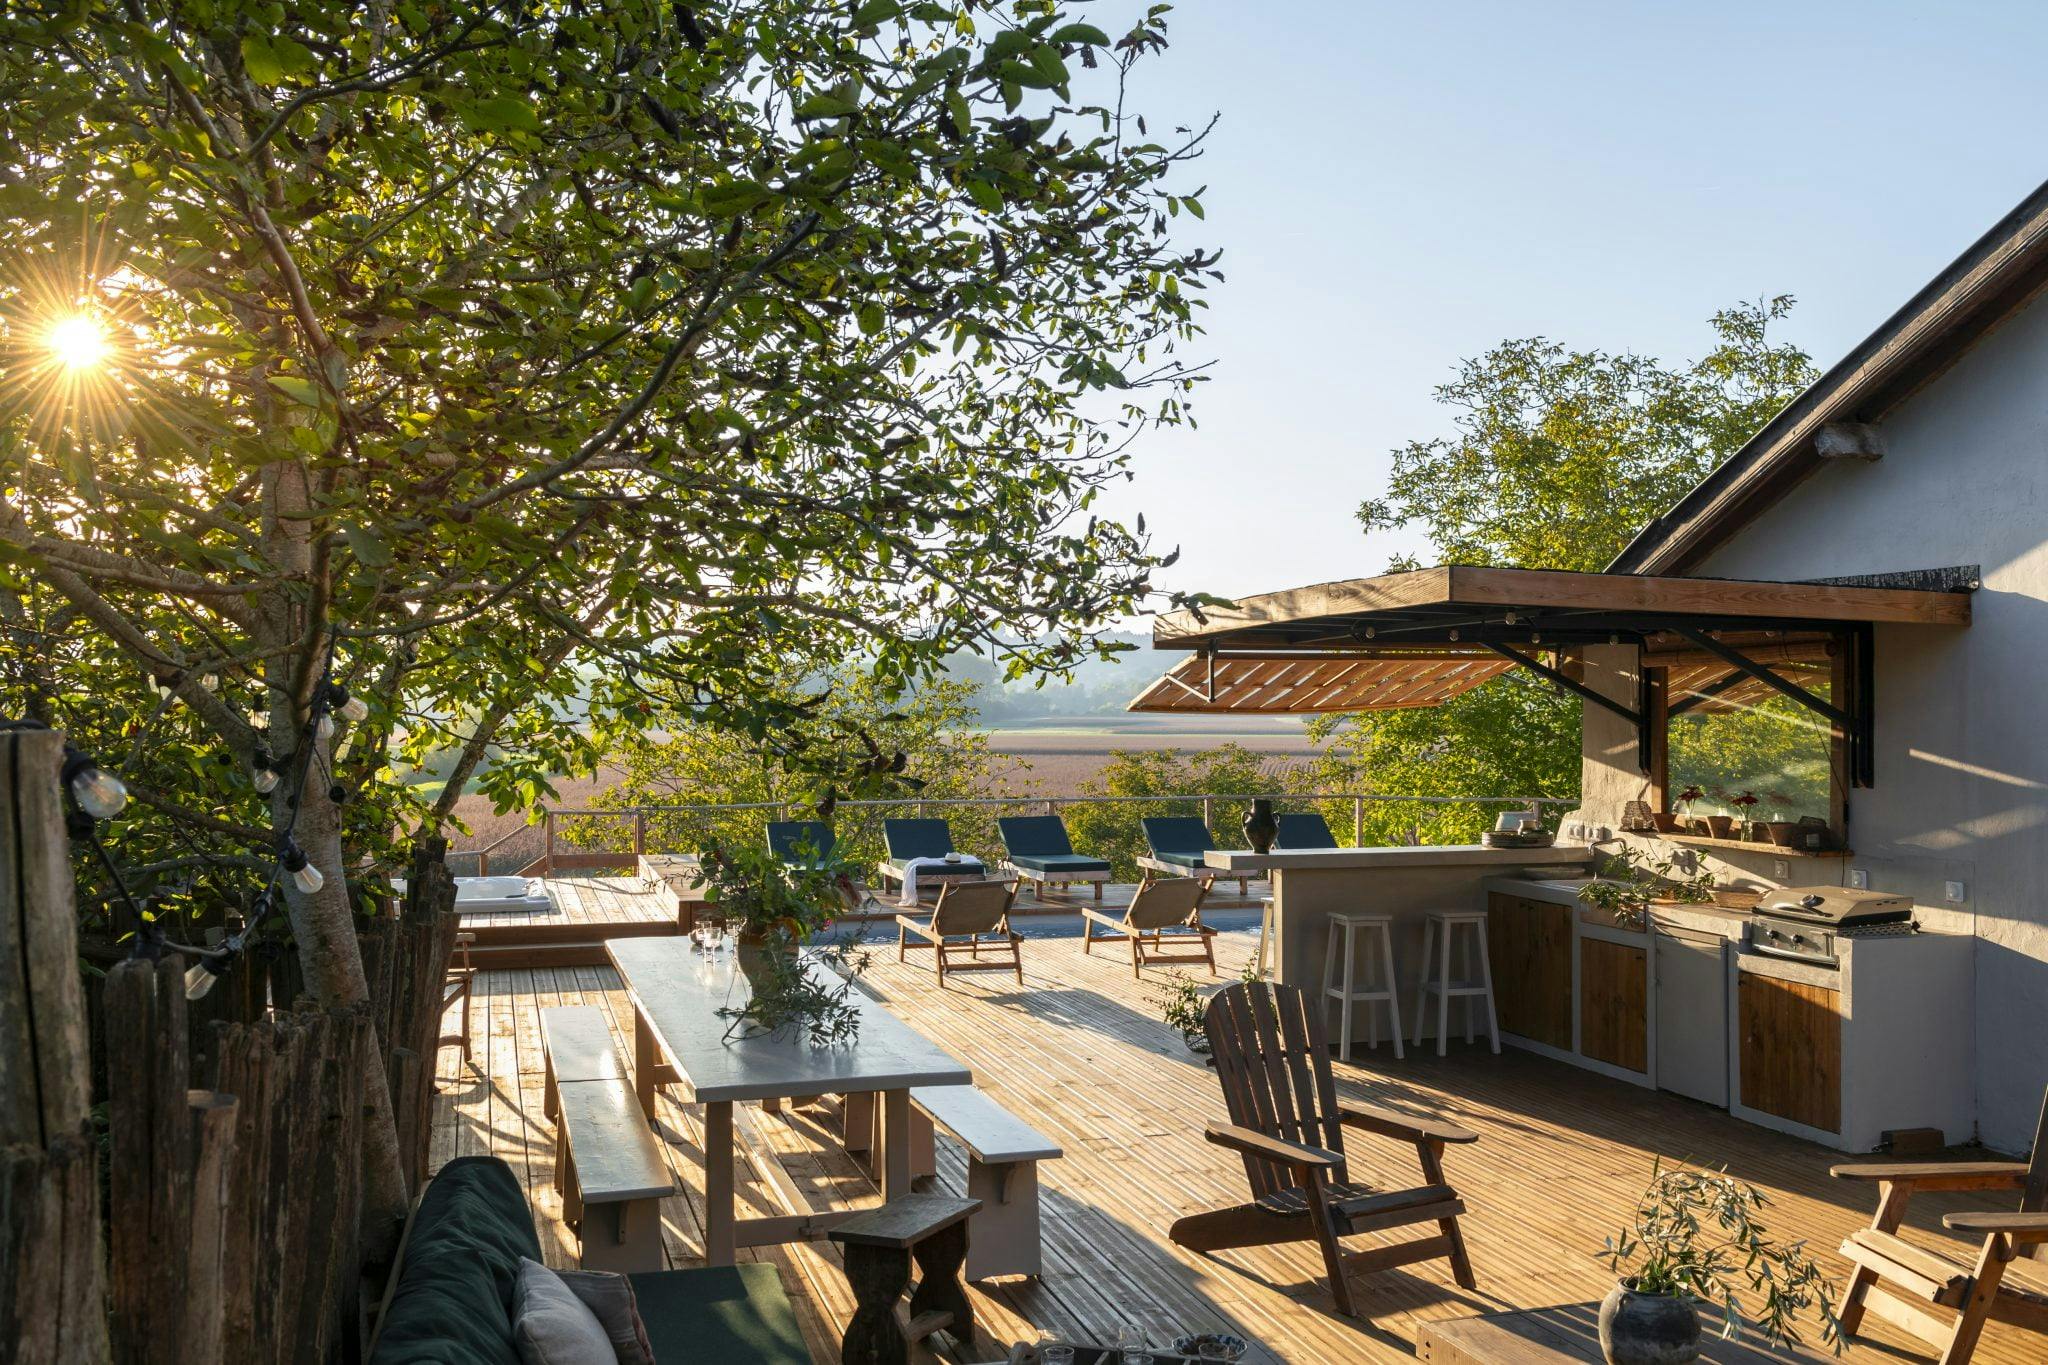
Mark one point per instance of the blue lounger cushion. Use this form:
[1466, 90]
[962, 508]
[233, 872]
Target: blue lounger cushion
[1308, 830]
[1180, 839]
[907, 839]
[1055, 863]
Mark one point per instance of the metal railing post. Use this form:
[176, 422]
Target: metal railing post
[547, 843]
[1205, 811]
[1358, 822]
[639, 832]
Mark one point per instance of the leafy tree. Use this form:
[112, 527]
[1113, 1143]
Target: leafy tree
[925, 745]
[1560, 457]
[474, 356]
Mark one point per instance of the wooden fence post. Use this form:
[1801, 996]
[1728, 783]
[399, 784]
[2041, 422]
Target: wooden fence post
[52, 1273]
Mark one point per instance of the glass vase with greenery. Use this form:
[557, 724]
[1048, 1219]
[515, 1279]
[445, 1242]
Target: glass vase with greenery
[1694, 1237]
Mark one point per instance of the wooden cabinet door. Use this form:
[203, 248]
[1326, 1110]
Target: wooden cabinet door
[1614, 1004]
[1529, 945]
[1790, 1047]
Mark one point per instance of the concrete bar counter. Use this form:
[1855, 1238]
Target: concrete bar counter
[1309, 885]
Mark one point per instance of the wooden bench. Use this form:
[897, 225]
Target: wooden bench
[609, 1167]
[1003, 1153]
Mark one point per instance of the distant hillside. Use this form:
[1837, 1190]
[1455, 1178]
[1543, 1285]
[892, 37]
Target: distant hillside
[1101, 688]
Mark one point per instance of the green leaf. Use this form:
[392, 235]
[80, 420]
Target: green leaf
[734, 198]
[297, 389]
[500, 114]
[269, 58]
[876, 12]
[369, 547]
[828, 105]
[1086, 35]
[872, 319]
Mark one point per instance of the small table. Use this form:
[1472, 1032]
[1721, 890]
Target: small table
[678, 1035]
[1569, 1334]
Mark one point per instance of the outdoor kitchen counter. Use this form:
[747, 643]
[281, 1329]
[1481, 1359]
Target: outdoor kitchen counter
[1309, 885]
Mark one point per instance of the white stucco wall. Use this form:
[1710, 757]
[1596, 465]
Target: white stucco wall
[1961, 714]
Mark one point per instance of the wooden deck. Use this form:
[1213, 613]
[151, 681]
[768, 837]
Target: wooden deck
[1079, 1052]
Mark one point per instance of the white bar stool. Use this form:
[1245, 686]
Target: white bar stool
[1267, 938]
[1439, 933]
[1340, 981]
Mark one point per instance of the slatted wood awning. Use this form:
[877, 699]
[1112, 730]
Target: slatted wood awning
[1299, 685]
[1423, 637]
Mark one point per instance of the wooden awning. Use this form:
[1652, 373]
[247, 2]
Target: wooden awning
[1423, 637]
[1463, 604]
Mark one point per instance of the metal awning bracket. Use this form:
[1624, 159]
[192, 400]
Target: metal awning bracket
[1206, 694]
[1750, 667]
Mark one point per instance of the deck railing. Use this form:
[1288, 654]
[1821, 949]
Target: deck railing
[566, 838]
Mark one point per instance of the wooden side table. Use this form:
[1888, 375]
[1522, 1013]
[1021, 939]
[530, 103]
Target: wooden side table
[1569, 1334]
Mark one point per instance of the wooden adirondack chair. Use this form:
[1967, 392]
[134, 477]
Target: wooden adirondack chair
[1288, 1123]
[1901, 1282]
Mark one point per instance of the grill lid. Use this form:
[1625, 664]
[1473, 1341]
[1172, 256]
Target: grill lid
[1840, 906]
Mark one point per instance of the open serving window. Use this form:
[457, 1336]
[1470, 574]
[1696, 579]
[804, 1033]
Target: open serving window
[1735, 688]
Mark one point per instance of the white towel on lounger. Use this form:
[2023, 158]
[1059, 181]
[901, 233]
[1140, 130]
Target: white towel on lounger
[908, 901]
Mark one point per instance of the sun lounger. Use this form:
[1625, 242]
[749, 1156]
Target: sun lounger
[1037, 849]
[1306, 830]
[1178, 843]
[908, 839]
[800, 840]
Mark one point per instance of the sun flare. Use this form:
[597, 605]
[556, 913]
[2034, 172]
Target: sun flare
[78, 342]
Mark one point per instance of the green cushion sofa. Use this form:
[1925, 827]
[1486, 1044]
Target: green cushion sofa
[451, 1302]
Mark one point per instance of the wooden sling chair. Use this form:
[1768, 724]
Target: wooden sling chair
[1162, 915]
[1287, 1122]
[970, 917]
[1940, 1299]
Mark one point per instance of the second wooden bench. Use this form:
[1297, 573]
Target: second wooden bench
[609, 1166]
[1003, 1153]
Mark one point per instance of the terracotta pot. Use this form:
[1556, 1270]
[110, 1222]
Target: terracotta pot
[1648, 1329]
[754, 952]
[1784, 833]
[1720, 826]
[1665, 821]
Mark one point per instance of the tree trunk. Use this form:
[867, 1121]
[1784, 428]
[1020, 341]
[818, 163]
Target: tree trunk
[323, 923]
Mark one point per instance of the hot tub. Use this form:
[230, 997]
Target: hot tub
[475, 895]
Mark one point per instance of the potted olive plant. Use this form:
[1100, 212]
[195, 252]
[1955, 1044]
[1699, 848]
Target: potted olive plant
[1694, 1242]
[774, 906]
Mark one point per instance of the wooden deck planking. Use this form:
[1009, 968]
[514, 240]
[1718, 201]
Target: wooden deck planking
[1079, 1052]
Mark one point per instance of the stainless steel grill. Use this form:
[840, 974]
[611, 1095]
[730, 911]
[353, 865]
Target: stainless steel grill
[1804, 922]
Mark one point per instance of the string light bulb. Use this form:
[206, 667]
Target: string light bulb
[323, 728]
[98, 792]
[200, 978]
[262, 772]
[353, 709]
[304, 875]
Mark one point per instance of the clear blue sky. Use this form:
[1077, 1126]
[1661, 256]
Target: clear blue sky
[1398, 186]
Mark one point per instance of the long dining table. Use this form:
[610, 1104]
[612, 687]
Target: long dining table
[680, 1038]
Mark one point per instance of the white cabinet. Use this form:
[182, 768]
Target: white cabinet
[1691, 1001]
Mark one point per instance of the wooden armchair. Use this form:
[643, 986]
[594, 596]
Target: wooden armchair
[1937, 1298]
[1288, 1124]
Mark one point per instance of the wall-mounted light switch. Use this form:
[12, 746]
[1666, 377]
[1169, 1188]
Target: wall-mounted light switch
[1954, 892]
[1781, 869]
[1859, 879]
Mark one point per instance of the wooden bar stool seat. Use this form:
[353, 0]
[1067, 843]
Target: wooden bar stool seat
[1472, 981]
[1340, 980]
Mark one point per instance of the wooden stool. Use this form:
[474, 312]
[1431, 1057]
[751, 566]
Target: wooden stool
[878, 1247]
[1439, 932]
[1267, 937]
[1340, 985]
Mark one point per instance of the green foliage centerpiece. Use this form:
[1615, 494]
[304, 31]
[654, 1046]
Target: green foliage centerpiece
[774, 907]
[1628, 883]
[1694, 1239]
